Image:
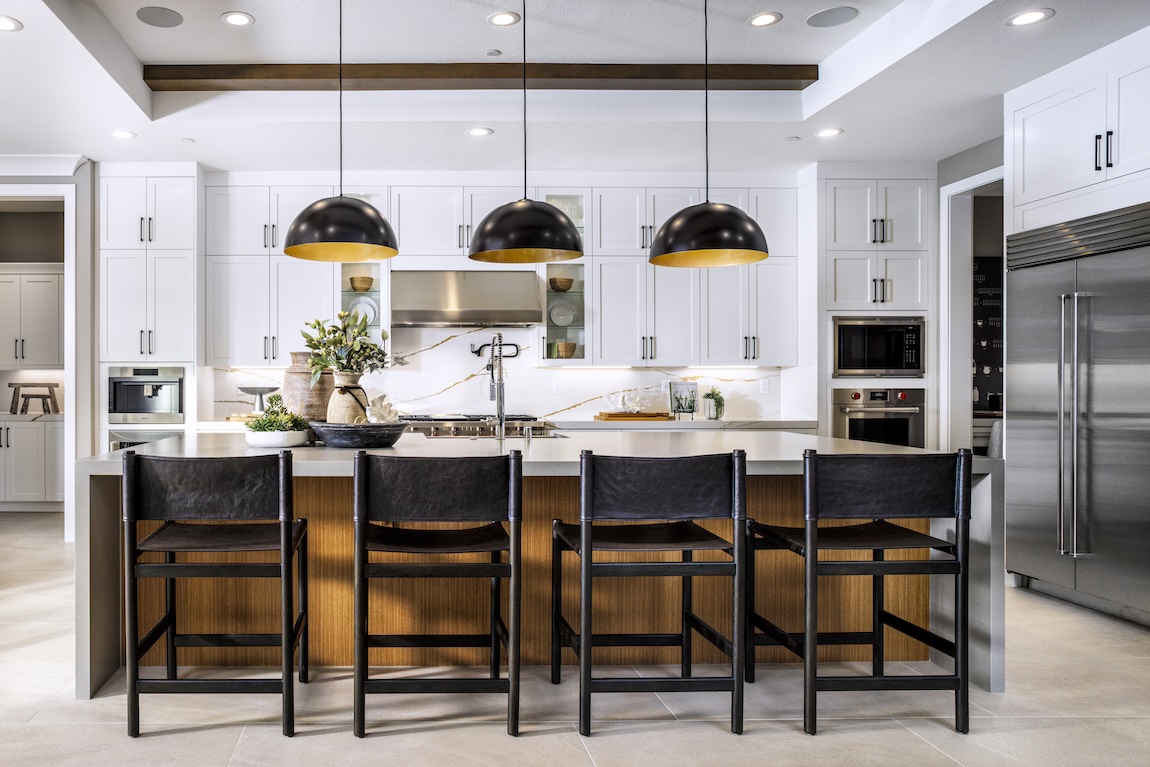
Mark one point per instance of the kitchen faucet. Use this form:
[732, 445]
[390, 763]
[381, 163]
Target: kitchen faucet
[495, 365]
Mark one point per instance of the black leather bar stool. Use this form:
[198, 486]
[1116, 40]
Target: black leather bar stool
[876, 488]
[217, 506]
[657, 499]
[440, 490]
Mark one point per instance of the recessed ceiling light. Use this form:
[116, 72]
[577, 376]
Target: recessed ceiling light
[155, 16]
[832, 17]
[479, 131]
[1029, 17]
[828, 132]
[238, 18]
[503, 19]
[792, 138]
[765, 19]
[123, 134]
[9, 24]
[495, 52]
[188, 140]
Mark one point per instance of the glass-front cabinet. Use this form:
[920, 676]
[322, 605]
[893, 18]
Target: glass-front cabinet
[564, 337]
[365, 288]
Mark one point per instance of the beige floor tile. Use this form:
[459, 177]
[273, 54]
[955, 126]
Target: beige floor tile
[105, 745]
[467, 743]
[1044, 626]
[1049, 742]
[28, 687]
[37, 643]
[858, 743]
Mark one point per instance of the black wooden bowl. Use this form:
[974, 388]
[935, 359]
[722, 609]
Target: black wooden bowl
[364, 435]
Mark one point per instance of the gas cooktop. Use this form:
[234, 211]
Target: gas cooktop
[464, 417]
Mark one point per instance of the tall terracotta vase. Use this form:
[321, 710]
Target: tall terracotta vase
[300, 396]
[348, 402]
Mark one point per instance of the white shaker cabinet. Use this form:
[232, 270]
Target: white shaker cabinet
[440, 220]
[147, 213]
[749, 314]
[249, 220]
[23, 458]
[644, 316]
[884, 215]
[257, 306]
[626, 218]
[869, 280]
[31, 321]
[148, 305]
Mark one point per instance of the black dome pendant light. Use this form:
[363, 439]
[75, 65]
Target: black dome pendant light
[525, 231]
[712, 233]
[340, 228]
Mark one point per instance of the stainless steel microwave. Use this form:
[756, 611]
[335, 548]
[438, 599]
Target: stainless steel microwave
[145, 395]
[878, 346]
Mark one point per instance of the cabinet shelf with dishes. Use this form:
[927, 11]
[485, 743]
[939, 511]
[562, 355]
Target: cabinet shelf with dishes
[364, 289]
[564, 338]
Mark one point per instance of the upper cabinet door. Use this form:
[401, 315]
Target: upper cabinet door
[1129, 105]
[301, 291]
[621, 222]
[9, 320]
[852, 280]
[482, 200]
[41, 320]
[237, 311]
[238, 221]
[619, 288]
[852, 215]
[123, 213]
[664, 203]
[736, 197]
[774, 327]
[171, 212]
[776, 211]
[428, 220]
[673, 316]
[1059, 142]
[286, 203]
[724, 333]
[171, 306]
[903, 215]
[123, 306]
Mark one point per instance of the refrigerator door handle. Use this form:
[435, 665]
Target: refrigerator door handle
[1075, 386]
[1062, 424]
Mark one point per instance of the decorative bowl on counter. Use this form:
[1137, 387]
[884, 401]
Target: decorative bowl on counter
[561, 284]
[364, 435]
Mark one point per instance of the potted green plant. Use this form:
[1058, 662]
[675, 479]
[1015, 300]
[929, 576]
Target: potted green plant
[277, 426]
[345, 348]
[714, 409]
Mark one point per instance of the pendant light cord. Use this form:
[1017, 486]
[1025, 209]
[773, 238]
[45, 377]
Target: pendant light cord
[706, 107]
[523, 21]
[341, 98]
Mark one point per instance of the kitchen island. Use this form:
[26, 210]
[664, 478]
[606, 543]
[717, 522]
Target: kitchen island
[322, 490]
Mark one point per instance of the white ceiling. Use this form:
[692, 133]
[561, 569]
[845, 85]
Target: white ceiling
[910, 80]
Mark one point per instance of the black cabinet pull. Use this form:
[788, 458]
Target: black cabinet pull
[16, 349]
[141, 342]
[652, 347]
[883, 283]
[1109, 149]
[7, 436]
[874, 291]
[644, 352]
[1098, 151]
[273, 235]
[265, 347]
[882, 223]
[873, 231]
[265, 235]
[151, 230]
[755, 352]
[150, 349]
[141, 228]
[746, 348]
[21, 348]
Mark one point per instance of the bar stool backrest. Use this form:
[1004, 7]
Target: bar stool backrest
[470, 489]
[233, 488]
[689, 487]
[886, 486]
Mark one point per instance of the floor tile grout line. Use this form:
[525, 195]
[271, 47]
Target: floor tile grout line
[952, 758]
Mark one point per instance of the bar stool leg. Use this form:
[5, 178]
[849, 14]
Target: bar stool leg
[514, 609]
[962, 649]
[556, 607]
[170, 606]
[360, 660]
[687, 601]
[749, 593]
[132, 640]
[493, 622]
[301, 586]
[810, 641]
[878, 653]
[585, 643]
[287, 644]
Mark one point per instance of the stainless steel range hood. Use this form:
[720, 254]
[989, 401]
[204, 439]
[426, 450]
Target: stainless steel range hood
[466, 299]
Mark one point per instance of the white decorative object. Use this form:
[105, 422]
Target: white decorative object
[381, 411]
[276, 438]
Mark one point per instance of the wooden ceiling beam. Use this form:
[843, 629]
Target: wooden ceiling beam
[476, 76]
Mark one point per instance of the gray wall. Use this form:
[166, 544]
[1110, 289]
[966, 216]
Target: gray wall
[988, 226]
[970, 162]
[35, 237]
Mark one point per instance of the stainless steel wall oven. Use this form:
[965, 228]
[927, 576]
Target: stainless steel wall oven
[890, 416]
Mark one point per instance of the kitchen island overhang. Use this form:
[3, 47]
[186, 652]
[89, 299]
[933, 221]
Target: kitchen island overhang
[550, 466]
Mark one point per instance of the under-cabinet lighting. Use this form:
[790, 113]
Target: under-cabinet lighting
[479, 131]
[123, 134]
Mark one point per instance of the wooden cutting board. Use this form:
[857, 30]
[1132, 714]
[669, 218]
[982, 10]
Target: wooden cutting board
[634, 417]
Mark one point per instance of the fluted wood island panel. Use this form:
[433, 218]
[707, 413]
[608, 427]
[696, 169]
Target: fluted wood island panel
[323, 492]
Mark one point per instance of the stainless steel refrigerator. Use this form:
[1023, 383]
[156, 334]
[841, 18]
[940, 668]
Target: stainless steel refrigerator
[1077, 430]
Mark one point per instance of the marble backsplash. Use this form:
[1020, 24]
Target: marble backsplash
[442, 375]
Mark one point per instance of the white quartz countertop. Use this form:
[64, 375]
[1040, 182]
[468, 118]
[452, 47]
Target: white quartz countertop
[45, 417]
[699, 424]
[768, 452]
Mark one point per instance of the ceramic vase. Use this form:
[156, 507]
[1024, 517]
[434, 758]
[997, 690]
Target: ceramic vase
[348, 401]
[299, 396]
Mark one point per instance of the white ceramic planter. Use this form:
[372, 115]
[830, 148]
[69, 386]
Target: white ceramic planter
[276, 438]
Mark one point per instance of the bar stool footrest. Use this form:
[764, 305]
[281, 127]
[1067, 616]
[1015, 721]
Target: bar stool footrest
[429, 640]
[398, 686]
[827, 683]
[210, 685]
[914, 631]
[228, 640]
[673, 684]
